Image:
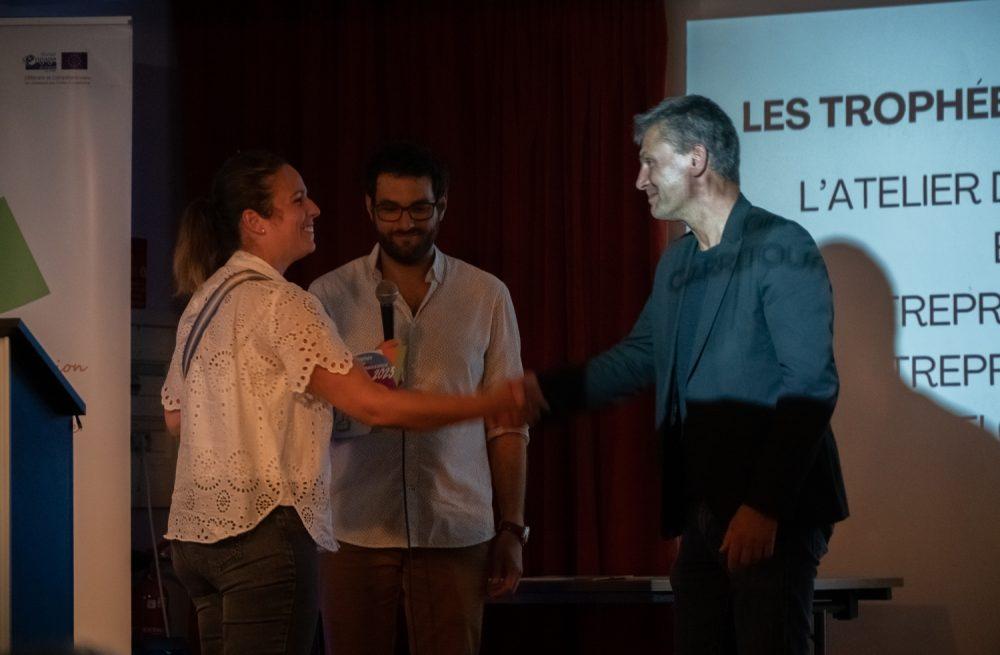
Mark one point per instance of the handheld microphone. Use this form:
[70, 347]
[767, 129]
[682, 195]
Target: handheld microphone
[386, 292]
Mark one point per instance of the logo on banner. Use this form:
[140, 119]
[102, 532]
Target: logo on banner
[74, 61]
[43, 61]
[52, 68]
[48, 61]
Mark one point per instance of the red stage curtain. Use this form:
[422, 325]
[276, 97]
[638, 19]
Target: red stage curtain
[531, 103]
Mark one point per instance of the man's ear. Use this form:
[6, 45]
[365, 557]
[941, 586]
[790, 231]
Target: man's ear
[442, 205]
[253, 222]
[369, 207]
[699, 160]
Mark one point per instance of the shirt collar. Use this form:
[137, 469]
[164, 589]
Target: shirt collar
[435, 274]
[243, 259]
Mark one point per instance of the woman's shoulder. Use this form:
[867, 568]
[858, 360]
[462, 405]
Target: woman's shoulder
[290, 302]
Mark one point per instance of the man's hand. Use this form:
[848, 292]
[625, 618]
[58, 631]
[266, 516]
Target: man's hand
[534, 399]
[749, 538]
[506, 566]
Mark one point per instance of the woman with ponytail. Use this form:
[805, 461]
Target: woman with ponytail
[255, 371]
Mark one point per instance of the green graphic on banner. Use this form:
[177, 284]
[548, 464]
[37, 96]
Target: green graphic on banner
[20, 280]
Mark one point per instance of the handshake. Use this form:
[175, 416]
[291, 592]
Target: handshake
[511, 403]
[517, 402]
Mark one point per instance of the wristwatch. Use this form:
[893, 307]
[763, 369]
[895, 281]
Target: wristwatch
[519, 531]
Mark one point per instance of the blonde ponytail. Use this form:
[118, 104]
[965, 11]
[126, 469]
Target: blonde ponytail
[210, 227]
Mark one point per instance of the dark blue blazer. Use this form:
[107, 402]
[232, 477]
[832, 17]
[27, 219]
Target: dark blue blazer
[748, 421]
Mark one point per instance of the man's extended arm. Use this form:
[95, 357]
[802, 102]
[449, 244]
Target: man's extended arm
[624, 369]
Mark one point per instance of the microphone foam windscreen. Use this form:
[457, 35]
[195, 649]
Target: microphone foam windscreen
[386, 292]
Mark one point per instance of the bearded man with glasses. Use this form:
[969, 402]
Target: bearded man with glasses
[413, 511]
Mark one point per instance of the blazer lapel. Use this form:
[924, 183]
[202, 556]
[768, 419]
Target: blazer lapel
[673, 305]
[718, 278]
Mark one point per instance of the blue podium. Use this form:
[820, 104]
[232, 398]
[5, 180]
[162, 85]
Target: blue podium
[37, 406]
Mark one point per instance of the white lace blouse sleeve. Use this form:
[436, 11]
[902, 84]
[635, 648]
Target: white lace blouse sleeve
[304, 337]
[170, 394]
[173, 386]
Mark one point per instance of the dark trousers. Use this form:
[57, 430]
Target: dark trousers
[255, 592]
[763, 609]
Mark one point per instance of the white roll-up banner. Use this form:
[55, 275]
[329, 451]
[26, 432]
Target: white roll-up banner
[65, 229]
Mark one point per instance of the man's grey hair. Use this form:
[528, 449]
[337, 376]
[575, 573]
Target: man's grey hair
[686, 121]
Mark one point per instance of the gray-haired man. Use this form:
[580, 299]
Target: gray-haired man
[737, 338]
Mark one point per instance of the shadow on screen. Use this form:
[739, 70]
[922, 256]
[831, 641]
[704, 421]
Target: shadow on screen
[923, 486]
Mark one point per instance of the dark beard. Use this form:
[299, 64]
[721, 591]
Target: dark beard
[408, 256]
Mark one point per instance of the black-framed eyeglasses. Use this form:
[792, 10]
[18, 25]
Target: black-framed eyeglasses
[390, 212]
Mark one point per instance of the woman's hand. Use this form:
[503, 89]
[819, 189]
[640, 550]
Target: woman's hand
[356, 394]
[391, 350]
[530, 401]
[509, 401]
